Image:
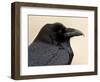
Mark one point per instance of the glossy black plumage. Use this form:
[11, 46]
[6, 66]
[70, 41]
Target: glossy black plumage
[52, 46]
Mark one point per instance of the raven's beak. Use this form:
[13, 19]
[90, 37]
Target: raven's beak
[70, 32]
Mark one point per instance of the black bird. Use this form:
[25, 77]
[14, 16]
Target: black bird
[52, 46]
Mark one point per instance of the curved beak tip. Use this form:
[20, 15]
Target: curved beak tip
[83, 35]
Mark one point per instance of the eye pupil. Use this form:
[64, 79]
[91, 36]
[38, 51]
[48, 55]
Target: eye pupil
[60, 31]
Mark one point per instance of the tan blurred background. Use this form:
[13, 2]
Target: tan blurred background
[79, 44]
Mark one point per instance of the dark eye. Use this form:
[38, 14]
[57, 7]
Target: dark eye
[60, 31]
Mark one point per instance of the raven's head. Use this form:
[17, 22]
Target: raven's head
[57, 32]
[63, 33]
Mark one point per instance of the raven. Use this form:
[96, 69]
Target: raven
[52, 46]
